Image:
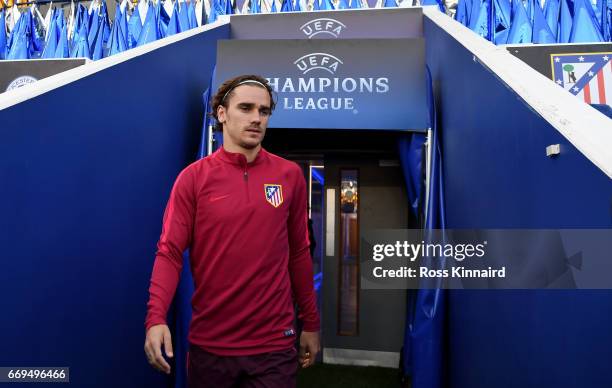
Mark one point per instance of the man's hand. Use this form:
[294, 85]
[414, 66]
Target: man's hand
[309, 348]
[156, 336]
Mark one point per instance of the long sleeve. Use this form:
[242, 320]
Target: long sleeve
[175, 238]
[300, 262]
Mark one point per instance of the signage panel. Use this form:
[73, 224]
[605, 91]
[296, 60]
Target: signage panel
[584, 70]
[338, 24]
[15, 74]
[335, 84]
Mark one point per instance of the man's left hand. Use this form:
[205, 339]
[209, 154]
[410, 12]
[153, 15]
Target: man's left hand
[309, 348]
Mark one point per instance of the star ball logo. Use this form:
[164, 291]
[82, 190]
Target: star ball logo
[322, 26]
[328, 92]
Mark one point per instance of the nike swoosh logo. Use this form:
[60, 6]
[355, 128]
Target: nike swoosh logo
[213, 199]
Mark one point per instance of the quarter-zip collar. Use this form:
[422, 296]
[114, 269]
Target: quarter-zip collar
[239, 159]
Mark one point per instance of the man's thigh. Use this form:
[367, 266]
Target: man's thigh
[207, 370]
[271, 370]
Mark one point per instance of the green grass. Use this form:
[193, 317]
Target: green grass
[342, 376]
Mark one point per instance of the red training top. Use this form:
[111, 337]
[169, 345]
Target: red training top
[246, 227]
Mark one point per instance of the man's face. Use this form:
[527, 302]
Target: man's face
[246, 118]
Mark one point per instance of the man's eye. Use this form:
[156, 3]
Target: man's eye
[265, 112]
[245, 108]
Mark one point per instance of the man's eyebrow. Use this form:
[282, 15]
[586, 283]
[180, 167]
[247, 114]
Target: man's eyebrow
[251, 104]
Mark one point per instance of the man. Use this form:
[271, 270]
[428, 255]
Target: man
[242, 213]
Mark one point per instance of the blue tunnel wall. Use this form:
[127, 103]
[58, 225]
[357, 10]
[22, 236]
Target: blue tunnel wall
[83, 194]
[497, 175]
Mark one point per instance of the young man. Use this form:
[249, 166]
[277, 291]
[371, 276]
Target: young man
[242, 213]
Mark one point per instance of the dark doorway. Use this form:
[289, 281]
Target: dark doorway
[355, 183]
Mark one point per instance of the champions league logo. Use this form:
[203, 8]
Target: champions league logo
[337, 92]
[320, 26]
[20, 81]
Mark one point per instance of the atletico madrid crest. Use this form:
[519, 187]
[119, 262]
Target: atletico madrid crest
[586, 75]
[274, 194]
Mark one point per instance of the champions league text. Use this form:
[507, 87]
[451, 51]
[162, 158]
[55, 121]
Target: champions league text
[326, 85]
[410, 252]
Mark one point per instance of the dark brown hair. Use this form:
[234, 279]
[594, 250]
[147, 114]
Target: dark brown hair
[226, 90]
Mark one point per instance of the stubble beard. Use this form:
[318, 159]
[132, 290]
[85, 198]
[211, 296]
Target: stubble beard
[249, 146]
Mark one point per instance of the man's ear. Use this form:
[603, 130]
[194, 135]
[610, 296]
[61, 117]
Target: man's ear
[221, 114]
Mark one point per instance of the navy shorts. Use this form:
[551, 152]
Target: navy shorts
[266, 370]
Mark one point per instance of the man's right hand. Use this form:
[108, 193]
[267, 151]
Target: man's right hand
[156, 336]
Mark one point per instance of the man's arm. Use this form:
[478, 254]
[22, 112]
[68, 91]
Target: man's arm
[300, 271]
[175, 238]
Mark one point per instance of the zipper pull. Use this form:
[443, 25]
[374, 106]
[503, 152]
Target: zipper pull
[246, 175]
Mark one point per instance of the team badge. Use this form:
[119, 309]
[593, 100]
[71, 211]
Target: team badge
[588, 76]
[274, 194]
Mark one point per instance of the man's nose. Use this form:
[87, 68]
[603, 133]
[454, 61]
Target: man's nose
[256, 116]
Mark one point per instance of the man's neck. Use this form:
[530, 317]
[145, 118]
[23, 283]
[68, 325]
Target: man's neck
[250, 154]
